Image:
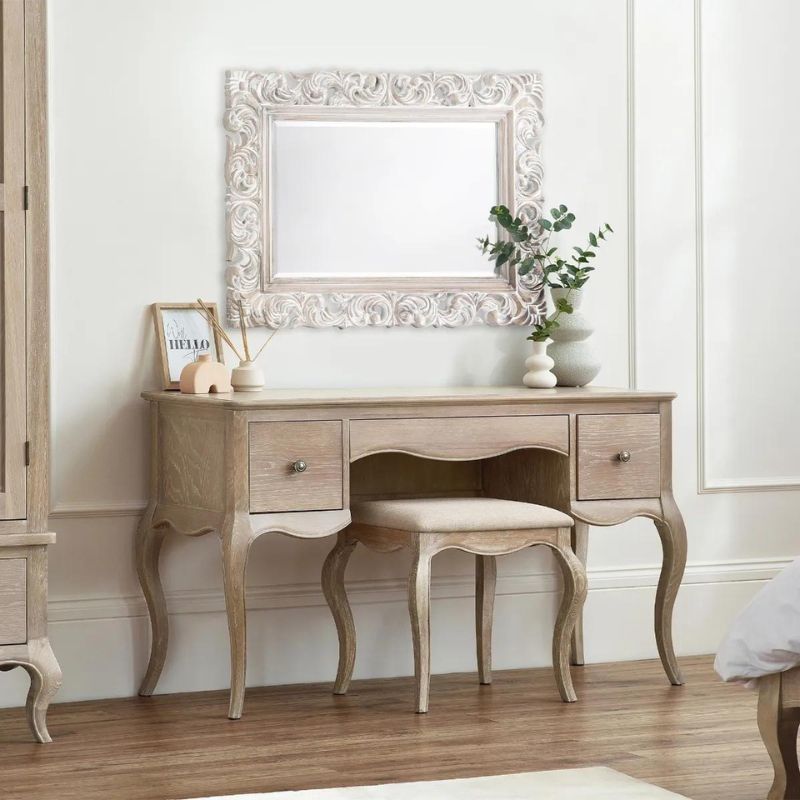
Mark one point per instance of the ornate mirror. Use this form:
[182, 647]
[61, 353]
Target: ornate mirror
[356, 199]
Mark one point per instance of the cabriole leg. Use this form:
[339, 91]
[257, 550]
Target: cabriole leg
[333, 588]
[575, 585]
[236, 541]
[673, 542]
[148, 549]
[45, 674]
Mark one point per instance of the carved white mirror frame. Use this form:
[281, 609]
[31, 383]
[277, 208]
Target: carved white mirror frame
[253, 98]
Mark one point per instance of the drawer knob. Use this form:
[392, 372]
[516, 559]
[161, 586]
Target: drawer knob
[624, 456]
[300, 465]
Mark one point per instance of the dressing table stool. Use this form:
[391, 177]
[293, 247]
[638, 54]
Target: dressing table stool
[484, 526]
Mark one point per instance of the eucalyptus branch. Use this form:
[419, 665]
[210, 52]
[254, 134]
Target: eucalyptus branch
[527, 249]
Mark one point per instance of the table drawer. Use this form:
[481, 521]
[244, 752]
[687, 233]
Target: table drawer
[276, 448]
[619, 456]
[13, 606]
[457, 438]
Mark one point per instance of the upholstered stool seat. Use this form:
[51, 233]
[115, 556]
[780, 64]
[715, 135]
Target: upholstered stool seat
[447, 514]
[484, 526]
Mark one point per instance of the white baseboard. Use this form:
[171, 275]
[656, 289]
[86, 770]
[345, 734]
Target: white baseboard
[103, 642]
[307, 595]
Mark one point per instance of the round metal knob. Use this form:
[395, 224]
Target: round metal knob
[299, 465]
[624, 456]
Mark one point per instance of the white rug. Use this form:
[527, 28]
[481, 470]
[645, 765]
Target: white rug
[595, 783]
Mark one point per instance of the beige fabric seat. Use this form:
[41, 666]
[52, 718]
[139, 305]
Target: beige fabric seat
[447, 514]
[484, 526]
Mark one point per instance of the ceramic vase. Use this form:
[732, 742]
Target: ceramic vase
[247, 377]
[575, 361]
[539, 365]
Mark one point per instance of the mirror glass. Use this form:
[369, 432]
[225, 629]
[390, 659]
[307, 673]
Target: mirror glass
[381, 199]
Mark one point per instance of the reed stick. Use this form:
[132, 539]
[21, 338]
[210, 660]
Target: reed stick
[269, 339]
[217, 327]
[243, 329]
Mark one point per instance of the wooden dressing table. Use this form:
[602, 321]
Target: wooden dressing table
[290, 461]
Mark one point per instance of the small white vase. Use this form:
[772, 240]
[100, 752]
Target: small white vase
[539, 365]
[575, 361]
[247, 377]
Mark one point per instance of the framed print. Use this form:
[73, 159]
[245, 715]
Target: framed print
[183, 333]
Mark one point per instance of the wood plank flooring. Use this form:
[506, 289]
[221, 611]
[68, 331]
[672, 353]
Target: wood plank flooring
[699, 740]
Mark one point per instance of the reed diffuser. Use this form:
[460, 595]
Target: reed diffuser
[247, 377]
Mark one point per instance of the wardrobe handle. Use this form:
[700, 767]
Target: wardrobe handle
[624, 456]
[300, 465]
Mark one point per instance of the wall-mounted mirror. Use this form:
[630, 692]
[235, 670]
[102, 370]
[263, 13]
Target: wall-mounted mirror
[356, 199]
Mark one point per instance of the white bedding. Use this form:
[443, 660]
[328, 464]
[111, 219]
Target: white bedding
[765, 637]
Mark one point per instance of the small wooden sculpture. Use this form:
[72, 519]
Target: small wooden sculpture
[204, 376]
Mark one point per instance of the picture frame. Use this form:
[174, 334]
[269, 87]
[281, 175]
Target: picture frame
[183, 333]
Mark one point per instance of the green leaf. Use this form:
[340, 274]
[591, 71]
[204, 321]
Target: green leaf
[563, 305]
[570, 217]
[551, 251]
[609, 228]
[546, 224]
[555, 213]
[592, 240]
[562, 208]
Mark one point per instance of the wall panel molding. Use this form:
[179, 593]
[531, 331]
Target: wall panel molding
[707, 485]
[86, 510]
[630, 39]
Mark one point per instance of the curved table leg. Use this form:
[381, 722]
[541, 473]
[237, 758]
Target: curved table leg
[236, 538]
[45, 676]
[580, 546]
[419, 598]
[485, 585]
[148, 550]
[778, 728]
[38, 660]
[333, 588]
[575, 586]
[673, 542]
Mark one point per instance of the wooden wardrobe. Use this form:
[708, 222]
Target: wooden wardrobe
[24, 357]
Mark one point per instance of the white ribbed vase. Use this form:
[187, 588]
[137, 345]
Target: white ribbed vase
[247, 377]
[575, 361]
[539, 365]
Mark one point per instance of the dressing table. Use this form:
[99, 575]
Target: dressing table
[292, 461]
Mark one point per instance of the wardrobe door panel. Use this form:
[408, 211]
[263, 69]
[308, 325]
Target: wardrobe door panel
[12, 263]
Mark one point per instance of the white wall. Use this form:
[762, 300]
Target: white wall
[137, 148]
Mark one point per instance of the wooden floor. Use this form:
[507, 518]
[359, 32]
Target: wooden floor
[699, 740]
